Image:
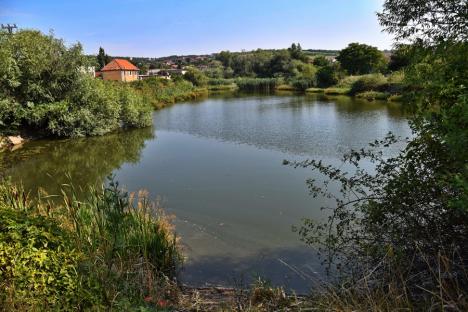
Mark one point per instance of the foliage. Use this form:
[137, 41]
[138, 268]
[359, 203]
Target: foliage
[372, 82]
[321, 61]
[426, 20]
[327, 76]
[408, 216]
[42, 82]
[258, 84]
[160, 92]
[107, 249]
[359, 59]
[102, 58]
[336, 91]
[373, 95]
[400, 57]
[296, 52]
[38, 263]
[196, 77]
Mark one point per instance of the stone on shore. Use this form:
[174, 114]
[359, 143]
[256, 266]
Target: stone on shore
[15, 140]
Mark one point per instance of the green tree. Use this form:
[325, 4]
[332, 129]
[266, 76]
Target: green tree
[196, 77]
[400, 57]
[281, 64]
[297, 53]
[327, 76]
[102, 58]
[427, 20]
[359, 59]
[320, 61]
[43, 86]
[225, 57]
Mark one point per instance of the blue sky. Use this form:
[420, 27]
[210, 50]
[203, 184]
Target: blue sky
[165, 27]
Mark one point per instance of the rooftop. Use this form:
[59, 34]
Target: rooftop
[119, 64]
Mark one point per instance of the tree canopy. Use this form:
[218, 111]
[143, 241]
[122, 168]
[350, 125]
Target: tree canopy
[359, 59]
[44, 86]
[426, 20]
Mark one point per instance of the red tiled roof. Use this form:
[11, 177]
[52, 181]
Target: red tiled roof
[119, 64]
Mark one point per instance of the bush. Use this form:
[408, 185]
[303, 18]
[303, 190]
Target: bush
[372, 82]
[373, 95]
[46, 90]
[321, 61]
[38, 263]
[301, 84]
[327, 76]
[196, 77]
[160, 92]
[11, 115]
[106, 250]
[337, 91]
[348, 81]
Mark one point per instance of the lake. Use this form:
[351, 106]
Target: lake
[216, 164]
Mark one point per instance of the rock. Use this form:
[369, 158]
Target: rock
[15, 140]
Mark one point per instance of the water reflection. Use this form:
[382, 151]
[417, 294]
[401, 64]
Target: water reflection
[280, 266]
[305, 125]
[50, 163]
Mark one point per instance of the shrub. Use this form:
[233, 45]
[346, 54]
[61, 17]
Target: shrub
[336, 91]
[373, 95]
[196, 77]
[46, 90]
[11, 115]
[320, 61]
[372, 82]
[38, 263]
[327, 76]
[106, 249]
[301, 84]
[160, 92]
[348, 81]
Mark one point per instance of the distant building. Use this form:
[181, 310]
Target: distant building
[120, 70]
[163, 73]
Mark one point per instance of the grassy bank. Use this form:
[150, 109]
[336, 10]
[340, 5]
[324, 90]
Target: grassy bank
[163, 92]
[110, 250]
[370, 87]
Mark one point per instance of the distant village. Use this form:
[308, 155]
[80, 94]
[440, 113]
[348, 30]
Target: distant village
[140, 68]
[124, 69]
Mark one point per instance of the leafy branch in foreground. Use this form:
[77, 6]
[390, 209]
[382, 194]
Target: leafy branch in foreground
[401, 213]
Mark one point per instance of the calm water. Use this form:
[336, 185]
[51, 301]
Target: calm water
[217, 165]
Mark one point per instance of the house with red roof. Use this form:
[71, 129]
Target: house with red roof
[120, 70]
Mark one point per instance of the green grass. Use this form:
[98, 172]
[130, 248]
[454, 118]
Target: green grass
[315, 90]
[258, 84]
[225, 87]
[395, 98]
[337, 91]
[285, 87]
[162, 92]
[373, 95]
[106, 249]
